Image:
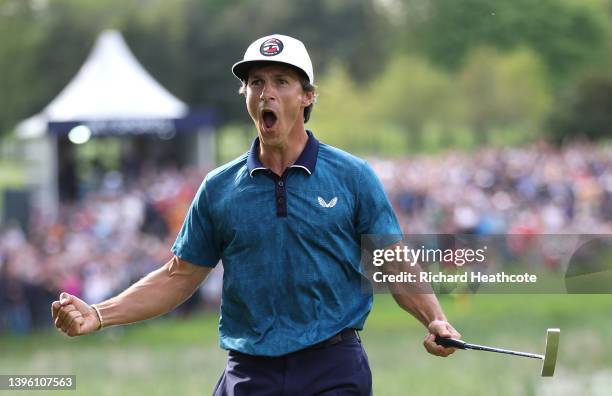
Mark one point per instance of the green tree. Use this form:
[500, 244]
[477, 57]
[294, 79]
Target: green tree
[188, 45]
[566, 34]
[585, 109]
[217, 33]
[344, 116]
[411, 95]
[505, 92]
[42, 46]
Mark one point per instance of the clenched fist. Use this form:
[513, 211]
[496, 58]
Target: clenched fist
[74, 316]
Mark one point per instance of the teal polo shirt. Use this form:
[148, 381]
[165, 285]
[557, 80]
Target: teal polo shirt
[290, 246]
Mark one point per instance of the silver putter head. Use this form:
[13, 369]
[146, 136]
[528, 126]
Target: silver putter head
[550, 356]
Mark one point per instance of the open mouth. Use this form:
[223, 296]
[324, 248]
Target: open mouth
[269, 118]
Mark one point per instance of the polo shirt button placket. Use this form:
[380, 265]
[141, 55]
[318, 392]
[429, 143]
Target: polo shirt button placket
[281, 201]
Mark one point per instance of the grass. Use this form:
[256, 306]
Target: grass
[182, 357]
[510, 321]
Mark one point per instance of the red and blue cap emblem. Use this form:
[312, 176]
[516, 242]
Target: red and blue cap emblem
[271, 47]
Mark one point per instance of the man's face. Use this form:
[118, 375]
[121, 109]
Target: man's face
[276, 101]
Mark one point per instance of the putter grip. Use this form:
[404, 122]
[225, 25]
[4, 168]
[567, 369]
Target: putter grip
[450, 342]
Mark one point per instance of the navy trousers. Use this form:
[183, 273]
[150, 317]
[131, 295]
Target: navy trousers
[328, 370]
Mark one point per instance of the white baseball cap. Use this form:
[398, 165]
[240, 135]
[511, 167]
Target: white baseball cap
[275, 48]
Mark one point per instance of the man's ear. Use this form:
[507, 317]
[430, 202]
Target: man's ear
[308, 98]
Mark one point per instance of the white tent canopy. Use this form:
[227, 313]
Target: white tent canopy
[111, 94]
[111, 85]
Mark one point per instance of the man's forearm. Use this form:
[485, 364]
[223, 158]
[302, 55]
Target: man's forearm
[424, 307]
[418, 298]
[156, 294]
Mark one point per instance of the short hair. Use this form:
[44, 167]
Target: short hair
[307, 86]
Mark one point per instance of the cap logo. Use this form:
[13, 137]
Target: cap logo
[271, 47]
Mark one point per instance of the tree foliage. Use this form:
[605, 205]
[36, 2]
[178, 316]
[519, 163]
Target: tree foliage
[566, 34]
[188, 45]
[584, 109]
[414, 106]
[413, 71]
[346, 116]
[504, 90]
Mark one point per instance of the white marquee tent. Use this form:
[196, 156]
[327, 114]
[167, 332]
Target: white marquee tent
[111, 90]
[111, 84]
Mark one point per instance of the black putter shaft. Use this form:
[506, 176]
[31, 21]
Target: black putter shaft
[459, 344]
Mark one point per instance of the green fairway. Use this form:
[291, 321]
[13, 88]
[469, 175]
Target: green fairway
[181, 357]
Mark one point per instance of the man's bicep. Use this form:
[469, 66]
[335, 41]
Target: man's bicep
[190, 273]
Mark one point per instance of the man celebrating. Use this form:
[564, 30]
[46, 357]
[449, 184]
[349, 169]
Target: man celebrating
[286, 219]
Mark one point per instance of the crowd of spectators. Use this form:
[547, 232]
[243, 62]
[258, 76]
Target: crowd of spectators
[96, 247]
[538, 189]
[122, 230]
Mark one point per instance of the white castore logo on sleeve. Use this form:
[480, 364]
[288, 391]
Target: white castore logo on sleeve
[329, 204]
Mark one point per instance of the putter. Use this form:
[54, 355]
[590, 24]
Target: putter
[549, 358]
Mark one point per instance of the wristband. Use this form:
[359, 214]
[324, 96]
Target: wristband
[99, 316]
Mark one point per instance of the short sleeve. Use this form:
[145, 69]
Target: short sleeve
[375, 215]
[196, 241]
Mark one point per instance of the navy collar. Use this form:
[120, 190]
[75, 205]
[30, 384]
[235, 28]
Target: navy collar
[306, 161]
